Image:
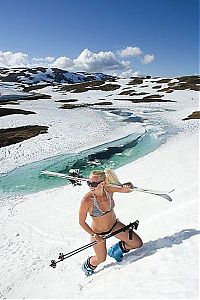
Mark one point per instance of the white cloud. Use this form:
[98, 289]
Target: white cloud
[92, 62]
[148, 59]
[10, 59]
[62, 62]
[45, 60]
[103, 61]
[130, 51]
[97, 62]
[129, 73]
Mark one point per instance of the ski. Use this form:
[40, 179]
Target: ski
[140, 189]
[163, 194]
[154, 192]
[62, 175]
[157, 193]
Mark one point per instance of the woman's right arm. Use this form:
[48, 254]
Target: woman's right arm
[83, 211]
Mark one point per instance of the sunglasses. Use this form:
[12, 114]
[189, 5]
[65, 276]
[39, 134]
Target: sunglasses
[92, 183]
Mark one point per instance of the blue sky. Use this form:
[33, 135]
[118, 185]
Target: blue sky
[156, 37]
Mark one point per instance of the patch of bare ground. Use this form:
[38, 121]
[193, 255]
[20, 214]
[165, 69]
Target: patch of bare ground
[132, 93]
[34, 87]
[11, 111]
[91, 85]
[135, 81]
[164, 80]
[18, 134]
[195, 79]
[126, 88]
[127, 92]
[12, 102]
[139, 94]
[156, 87]
[153, 96]
[147, 100]
[66, 100]
[166, 90]
[36, 97]
[27, 97]
[81, 105]
[109, 87]
[194, 115]
[186, 83]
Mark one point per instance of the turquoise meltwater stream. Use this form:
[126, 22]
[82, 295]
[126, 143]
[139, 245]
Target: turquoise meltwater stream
[28, 179]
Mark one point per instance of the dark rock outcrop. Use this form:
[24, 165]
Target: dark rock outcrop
[15, 135]
[11, 111]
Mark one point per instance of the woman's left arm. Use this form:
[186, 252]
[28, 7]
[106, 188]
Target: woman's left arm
[124, 188]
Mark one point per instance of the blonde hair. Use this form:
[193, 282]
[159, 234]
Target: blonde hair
[101, 174]
[108, 176]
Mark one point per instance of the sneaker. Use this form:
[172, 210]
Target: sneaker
[87, 268]
[116, 252]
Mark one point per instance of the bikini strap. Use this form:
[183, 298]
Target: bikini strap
[95, 201]
[108, 195]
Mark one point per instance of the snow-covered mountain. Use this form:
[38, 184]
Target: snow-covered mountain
[47, 75]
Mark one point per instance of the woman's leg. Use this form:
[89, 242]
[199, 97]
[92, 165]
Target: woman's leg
[101, 253]
[136, 241]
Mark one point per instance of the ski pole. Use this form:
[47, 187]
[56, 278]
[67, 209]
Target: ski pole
[62, 256]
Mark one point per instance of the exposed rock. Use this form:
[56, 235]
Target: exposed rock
[13, 102]
[66, 100]
[35, 87]
[24, 97]
[186, 82]
[15, 135]
[153, 96]
[144, 100]
[87, 86]
[166, 90]
[150, 100]
[135, 81]
[164, 80]
[157, 87]
[11, 111]
[71, 106]
[127, 92]
[194, 115]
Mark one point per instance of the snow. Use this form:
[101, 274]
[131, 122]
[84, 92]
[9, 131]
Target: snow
[64, 125]
[42, 225]
[36, 228]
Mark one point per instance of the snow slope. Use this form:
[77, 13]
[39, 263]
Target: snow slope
[64, 125]
[166, 267]
[35, 228]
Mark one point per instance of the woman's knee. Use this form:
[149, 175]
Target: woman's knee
[136, 244]
[139, 243]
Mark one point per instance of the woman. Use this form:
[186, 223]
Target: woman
[99, 203]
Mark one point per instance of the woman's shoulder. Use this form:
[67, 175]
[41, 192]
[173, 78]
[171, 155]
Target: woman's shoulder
[109, 190]
[88, 197]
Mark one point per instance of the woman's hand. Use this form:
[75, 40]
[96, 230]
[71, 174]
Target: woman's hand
[128, 185]
[98, 238]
